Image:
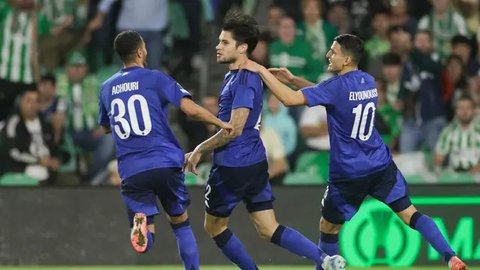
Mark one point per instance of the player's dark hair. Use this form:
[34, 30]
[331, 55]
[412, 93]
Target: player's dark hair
[126, 43]
[351, 45]
[244, 29]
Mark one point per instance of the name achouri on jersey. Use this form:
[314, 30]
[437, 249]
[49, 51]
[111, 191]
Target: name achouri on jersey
[362, 95]
[124, 87]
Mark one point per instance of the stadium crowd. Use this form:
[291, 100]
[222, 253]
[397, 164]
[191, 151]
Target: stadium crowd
[424, 54]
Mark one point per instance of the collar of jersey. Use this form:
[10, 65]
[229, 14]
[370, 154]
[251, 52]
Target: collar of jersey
[130, 68]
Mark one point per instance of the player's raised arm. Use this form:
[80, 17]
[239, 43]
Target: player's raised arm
[285, 76]
[285, 94]
[237, 121]
[196, 111]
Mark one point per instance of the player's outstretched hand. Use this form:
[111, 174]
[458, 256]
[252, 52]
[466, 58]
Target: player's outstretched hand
[192, 161]
[282, 74]
[251, 65]
[228, 127]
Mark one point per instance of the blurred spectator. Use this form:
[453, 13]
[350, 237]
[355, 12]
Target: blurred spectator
[444, 23]
[400, 41]
[338, 16]
[20, 25]
[314, 128]
[277, 118]
[314, 30]
[68, 19]
[420, 93]
[274, 16]
[277, 161]
[80, 92]
[187, 44]
[293, 53]
[378, 44]
[392, 72]
[260, 53]
[399, 16]
[27, 142]
[52, 106]
[361, 12]
[454, 82]
[458, 146]
[291, 8]
[113, 175]
[470, 11]
[150, 19]
[197, 131]
[388, 120]
[463, 47]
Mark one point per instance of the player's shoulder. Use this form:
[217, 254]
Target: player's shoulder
[109, 81]
[333, 81]
[248, 78]
[160, 75]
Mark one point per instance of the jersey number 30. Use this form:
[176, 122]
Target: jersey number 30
[361, 116]
[133, 125]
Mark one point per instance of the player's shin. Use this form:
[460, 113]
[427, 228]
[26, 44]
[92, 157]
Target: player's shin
[298, 244]
[187, 245]
[328, 243]
[234, 250]
[429, 230]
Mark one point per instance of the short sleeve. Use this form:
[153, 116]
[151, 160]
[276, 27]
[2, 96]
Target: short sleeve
[171, 90]
[243, 97]
[322, 93]
[244, 92]
[102, 113]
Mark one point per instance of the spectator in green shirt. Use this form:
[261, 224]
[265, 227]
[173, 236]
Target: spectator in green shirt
[389, 120]
[294, 52]
[458, 146]
[314, 30]
[80, 92]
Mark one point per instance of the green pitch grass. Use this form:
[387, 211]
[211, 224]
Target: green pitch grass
[285, 267]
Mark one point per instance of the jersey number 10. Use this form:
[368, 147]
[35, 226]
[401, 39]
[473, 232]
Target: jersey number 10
[361, 116]
[133, 125]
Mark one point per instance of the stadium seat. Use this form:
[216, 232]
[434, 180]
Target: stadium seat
[17, 179]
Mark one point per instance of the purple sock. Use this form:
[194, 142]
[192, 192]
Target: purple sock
[298, 244]
[328, 243]
[187, 245]
[234, 250]
[429, 230]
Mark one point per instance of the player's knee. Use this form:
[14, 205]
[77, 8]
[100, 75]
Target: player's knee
[328, 227]
[265, 233]
[214, 228]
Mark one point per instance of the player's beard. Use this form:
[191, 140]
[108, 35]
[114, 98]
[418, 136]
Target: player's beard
[145, 64]
[226, 60]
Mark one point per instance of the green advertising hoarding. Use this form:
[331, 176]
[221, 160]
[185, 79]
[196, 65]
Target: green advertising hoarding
[376, 236]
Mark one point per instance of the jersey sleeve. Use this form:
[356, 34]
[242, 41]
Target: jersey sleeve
[244, 92]
[102, 112]
[322, 93]
[171, 90]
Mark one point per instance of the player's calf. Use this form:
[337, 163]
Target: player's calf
[140, 237]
